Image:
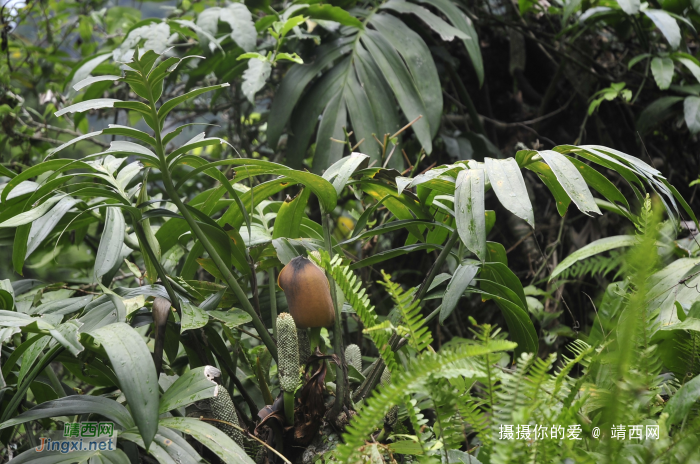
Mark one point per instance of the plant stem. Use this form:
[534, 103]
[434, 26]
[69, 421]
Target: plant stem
[466, 100]
[22, 389]
[273, 301]
[141, 234]
[225, 271]
[55, 383]
[340, 370]
[437, 266]
[289, 407]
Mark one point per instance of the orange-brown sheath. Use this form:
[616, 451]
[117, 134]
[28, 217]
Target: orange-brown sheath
[308, 293]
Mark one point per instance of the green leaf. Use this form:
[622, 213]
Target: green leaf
[290, 215]
[132, 363]
[293, 84]
[470, 213]
[666, 24]
[232, 318]
[421, 68]
[658, 111]
[116, 129]
[462, 277]
[662, 69]
[211, 437]
[109, 254]
[508, 184]
[522, 331]
[599, 246]
[192, 386]
[600, 183]
[333, 120]
[290, 24]
[42, 227]
[571, 180]
[168, 106]
[193, 317]
[680, 404]
[437, 24]
[629, 6]
[31, 356]
[59, 457]
[464, 24]
[691, 111]
[392, 226]
[87, 106]
[91, 80]
[15, 319]
[340, 171]
[402, 84]
[53, 151]
[7, 295]
[33, 214]
[333, 13]
[393, 253]
[255, 77]
[75, 404]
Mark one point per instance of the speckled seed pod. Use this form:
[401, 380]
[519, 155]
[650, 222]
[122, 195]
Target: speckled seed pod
[353, 357]
[288, 345]
[222, 409]
[386, 377]
[304, 346]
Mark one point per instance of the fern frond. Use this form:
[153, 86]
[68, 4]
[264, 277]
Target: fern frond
[419, 337]
[356, 297]
[597, 265]
[427, 365]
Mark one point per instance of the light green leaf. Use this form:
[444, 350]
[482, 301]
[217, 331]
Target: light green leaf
[132, 363]
[42, 227]
[662, 69]
[462, 277]
[108, 256]
[691, 111]
[437, 24]
[333, 13]
[629, 6]
[193, 317]
[168, 106]
[599, 246]
[91, 80]
[470, 212]
[682, 401]
[340, 171]
[233, 317]
[211, 437]
[31, 356]
[402, 84]
[58, 457]
[666, 24]
[88, 105]
[290, 214]
[33, 214]
[53, 151]
[75, 404]
[508, 184]
[190, 387]
[464, 24]
[571, 180]
[255, 77]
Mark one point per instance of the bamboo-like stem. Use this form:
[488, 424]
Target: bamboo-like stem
[187, 215]
[340, 371]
